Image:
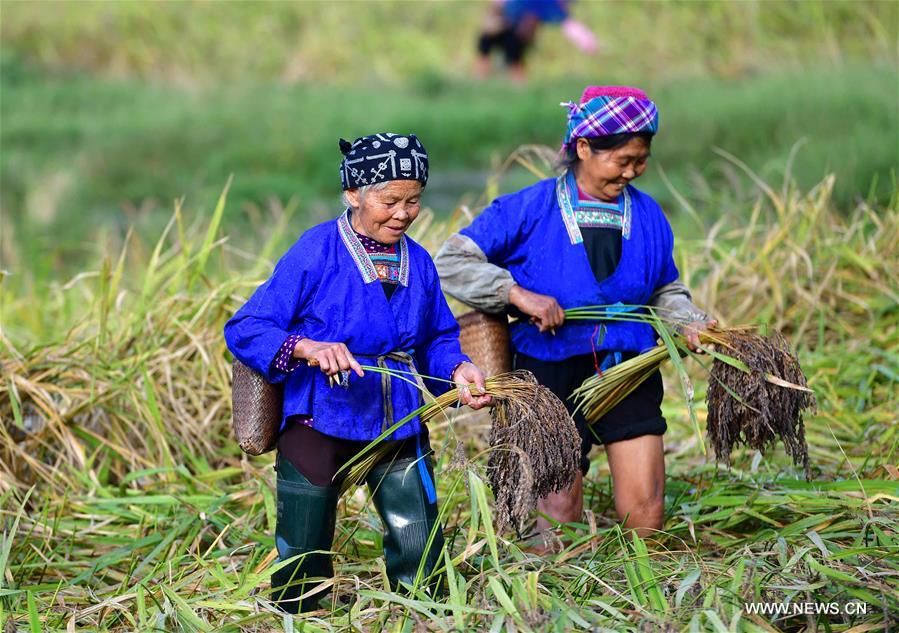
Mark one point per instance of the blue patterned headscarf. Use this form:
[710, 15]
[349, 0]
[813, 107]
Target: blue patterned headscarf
[381, 157]
[607, 110]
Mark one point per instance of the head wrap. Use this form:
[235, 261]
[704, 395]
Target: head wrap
[607, 110]
[380, 157]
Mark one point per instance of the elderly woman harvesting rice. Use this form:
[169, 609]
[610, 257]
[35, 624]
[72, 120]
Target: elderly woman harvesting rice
[586, 238]
[351, 292]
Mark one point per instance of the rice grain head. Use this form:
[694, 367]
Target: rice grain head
[763, 412]
[535, 448]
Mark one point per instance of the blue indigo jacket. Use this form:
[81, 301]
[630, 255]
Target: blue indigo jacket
[326, 288]
[531, 234]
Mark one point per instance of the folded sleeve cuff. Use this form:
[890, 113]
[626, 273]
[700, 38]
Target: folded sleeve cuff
[284, 361]
[456, 366]
[675, 304]
[466, 275]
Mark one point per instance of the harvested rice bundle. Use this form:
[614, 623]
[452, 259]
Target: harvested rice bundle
[757, 391]
[770, 401]
[535, 446]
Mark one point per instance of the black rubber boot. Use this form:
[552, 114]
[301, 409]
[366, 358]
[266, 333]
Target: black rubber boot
[408, 518]
[306, 516]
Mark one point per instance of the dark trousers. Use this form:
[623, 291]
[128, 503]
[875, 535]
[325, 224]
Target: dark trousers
[640, 413]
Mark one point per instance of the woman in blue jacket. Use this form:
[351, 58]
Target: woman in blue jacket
[588, 237]
[356, 291]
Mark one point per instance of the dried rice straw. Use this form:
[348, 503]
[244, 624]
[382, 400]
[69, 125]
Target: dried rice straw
[757, 391]
[535, 444]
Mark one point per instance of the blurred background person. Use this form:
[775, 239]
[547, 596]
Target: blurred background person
[512, 25]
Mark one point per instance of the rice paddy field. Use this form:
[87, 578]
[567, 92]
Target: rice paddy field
[148, 185]
[127, 504]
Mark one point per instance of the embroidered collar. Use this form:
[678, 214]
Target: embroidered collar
[360, 257]
[567, 198]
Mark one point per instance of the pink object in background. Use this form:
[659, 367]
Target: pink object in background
[580, 35]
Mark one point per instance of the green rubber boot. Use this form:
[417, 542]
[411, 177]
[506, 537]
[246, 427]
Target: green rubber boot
[306, 517]
[408, 517]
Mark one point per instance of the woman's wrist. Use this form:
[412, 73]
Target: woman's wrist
[456, 369]
[299, 350]
[515, 293]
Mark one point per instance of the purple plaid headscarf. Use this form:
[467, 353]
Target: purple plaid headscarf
[606, 110]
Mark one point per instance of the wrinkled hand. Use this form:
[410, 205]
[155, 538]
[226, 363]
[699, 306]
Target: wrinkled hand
[691, 332]
[331, 358]
[466, 375]
[545, 311]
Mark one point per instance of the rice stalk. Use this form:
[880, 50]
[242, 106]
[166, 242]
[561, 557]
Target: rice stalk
[109, 530]
[757, 391]
[534, 444]
[771, 398]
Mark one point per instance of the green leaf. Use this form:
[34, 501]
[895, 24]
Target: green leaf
[206, 248]
[685, 585]
[34, 619]
[501, 596]
[184, 611]
[479, 493]
[16, 412]
[830, 572]
[647, 577]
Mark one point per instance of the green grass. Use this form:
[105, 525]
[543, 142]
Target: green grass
[79, 152]
[192, 43]
[126, 504]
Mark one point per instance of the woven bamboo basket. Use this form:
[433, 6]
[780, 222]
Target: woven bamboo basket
[485, 339]
[257, 406]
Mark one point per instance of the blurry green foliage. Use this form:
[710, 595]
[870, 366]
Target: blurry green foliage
[195, 42]
[110, 111]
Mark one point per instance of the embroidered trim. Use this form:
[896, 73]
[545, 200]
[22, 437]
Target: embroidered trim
[387, 265]
[626, 216]
[357, 251]
[564, 196]
[602, 219]
[404, 262]
[598, 204]
[363, 262]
